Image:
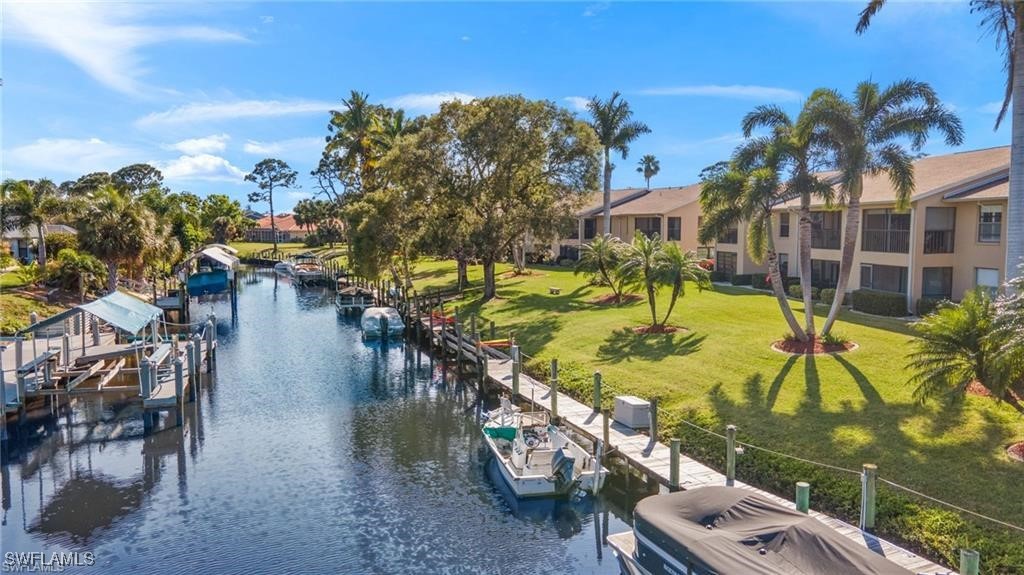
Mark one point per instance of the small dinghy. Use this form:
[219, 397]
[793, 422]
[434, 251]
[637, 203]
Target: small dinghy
[535, 458]
[376, 319]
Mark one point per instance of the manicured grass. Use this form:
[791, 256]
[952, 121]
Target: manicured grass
[15, 310]
[844, 410]
[10, 280]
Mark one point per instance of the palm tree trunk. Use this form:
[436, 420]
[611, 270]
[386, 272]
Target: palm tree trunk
[1015, 209]
[676, 290]
[850, 233]
[652, 300]
[607, 191]
[111, 277]
[805, 232]
[777, 287]
[42, 249]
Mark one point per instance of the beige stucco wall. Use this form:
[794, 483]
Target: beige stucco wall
[744, 265]
[624, 227]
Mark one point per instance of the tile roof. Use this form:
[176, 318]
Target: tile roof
[594, 204]
[284, 223]
[659, 201]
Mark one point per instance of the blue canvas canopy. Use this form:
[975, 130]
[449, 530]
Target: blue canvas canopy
[123, 311]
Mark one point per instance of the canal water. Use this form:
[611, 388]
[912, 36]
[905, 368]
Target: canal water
[310, 452]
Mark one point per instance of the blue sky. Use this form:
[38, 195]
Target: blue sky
[205, 90]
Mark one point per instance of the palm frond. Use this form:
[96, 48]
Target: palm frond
[899, 165]
[867, 14]
[765, 116]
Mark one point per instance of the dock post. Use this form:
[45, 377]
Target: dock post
[494, 331]
[970, 562]
[605, 424]
[3, 398]
[472, 327]
[869, 472]
[673, 465]
[209, 346]
[653, 429]
[94, 325]
[554, 388]
[730, 455]
[383, 328]
[33, 318]
[803, 496]
[597, 391]
[458, 343]
[179, 380]
[197, 367]
[430, 320]
[190, 357]
[19, 359]
[515, 370]
[65, 351]
[145, 373]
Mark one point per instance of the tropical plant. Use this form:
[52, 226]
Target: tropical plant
[1004, 20]
[801, 158]
[223, 218]
[118, 229]
[612, 120]
[957, 345]
[58, 241]
[30, 205]
[675, 268]
[600, 258]
[649, 166]
[351, 135]
[29, 274]
[270, 174]
[137, 179]
[868, 132]
[1009, 328]
[641, 268]
[81, 272]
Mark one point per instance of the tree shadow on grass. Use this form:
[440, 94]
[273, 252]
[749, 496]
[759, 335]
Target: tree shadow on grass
[534, 335]
[867, 390]
[527, 302]
[773, 391]
[624, 345]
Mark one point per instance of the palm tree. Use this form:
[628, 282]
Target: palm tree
[1009, 329]
[351, 131]
[958, 344]
[649, 167]
[802, 158]
[868, 132]
[118, 229]
[615, 128]
[640, 265]
[31, 205]
[305, 214]
[1005, 21]
[601, 258]
[675, 268]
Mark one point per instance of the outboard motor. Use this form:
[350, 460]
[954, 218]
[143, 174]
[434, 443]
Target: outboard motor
[561, 470]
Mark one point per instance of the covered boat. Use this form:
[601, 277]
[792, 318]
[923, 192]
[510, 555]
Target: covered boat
[535, 458]
[352, 297]
[372, 322]
[733, 531]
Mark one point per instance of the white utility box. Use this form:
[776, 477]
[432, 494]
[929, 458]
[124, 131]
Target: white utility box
[632, 411]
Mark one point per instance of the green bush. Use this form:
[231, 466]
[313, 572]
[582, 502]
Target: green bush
[719, 276]
[795, 291]
[927, 305]
[879, 302]
[829, 294]
[741, 279]
[759, 281]
[60, 241]
[72, 267]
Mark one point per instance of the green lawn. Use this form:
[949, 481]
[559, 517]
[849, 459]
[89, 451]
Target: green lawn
[845, 410]
[15, 310]
[10, 280]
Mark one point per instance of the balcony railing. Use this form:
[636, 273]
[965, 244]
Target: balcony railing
[938, 241]
[888, 241]
[825, 239]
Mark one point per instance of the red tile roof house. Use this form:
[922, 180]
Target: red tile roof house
[287, 230]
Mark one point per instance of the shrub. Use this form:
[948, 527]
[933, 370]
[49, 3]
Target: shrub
[59, 241]
[788, 281]
[720, 276]
[833, 338]
[880, 302]
[741, 279]
[927, 305]
[760, 281]
[72, 267]
[29, 274]
[795, 291]
[827, 295]
[313, 240]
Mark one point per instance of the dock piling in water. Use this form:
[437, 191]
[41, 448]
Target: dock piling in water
[516, 367]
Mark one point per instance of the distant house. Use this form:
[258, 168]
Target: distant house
[672, 213]
[23, 243]
[287, 230]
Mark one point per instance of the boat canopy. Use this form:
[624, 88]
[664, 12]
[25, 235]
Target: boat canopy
[219, 255]
[732, 531]
[123, 311]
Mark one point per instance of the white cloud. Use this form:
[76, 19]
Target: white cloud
[742, 92]
[218, 111]
[305, 147]
[69, 156]
[200, 167]
[595, 9]
[267, 19]
[991, 107]
[687, 147]
[101, 38]
[427, 102]
[465, 38]
[578, 103]
[209, 144]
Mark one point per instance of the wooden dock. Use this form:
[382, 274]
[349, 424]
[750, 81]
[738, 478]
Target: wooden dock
[654, 459]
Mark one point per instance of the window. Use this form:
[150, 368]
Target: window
[784, 225]
[939, 227]
[987, 278]
[574, 231]
[937, 282]
[725, 262]
[571, 252]
[589, 228]
[885, 231]
[731, 236]
[824, 273]
[825, 232]
[784, 264]
[884, 278]
[648, 226]
[990, 224]
[675, 229]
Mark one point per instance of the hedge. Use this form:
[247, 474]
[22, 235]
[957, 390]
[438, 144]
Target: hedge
[920, 526]
[741, 279]
[828, 294]
[879, 302]
[927, 305]
[759, 281]
[795, 291]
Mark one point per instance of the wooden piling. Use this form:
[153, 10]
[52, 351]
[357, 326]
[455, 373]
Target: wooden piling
[494, 331]
[179, 380]
[209, 346]
[145, 373]
[673, 465]
[605, 425]
[803, 496]
[190, 357]
[554, 388]
[868, 491]
[970, 562]
[597, 391]
[730, 455]
[516, 367]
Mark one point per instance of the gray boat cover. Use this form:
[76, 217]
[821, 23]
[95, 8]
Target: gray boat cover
[732, 531]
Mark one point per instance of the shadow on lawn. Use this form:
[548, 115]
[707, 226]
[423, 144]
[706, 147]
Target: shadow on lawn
[624, 345]
[522, 301]
[536, 334]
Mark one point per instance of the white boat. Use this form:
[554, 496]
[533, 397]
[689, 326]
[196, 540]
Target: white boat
[307, 266]
[284, 268]
[372, 322]
[535, 458]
